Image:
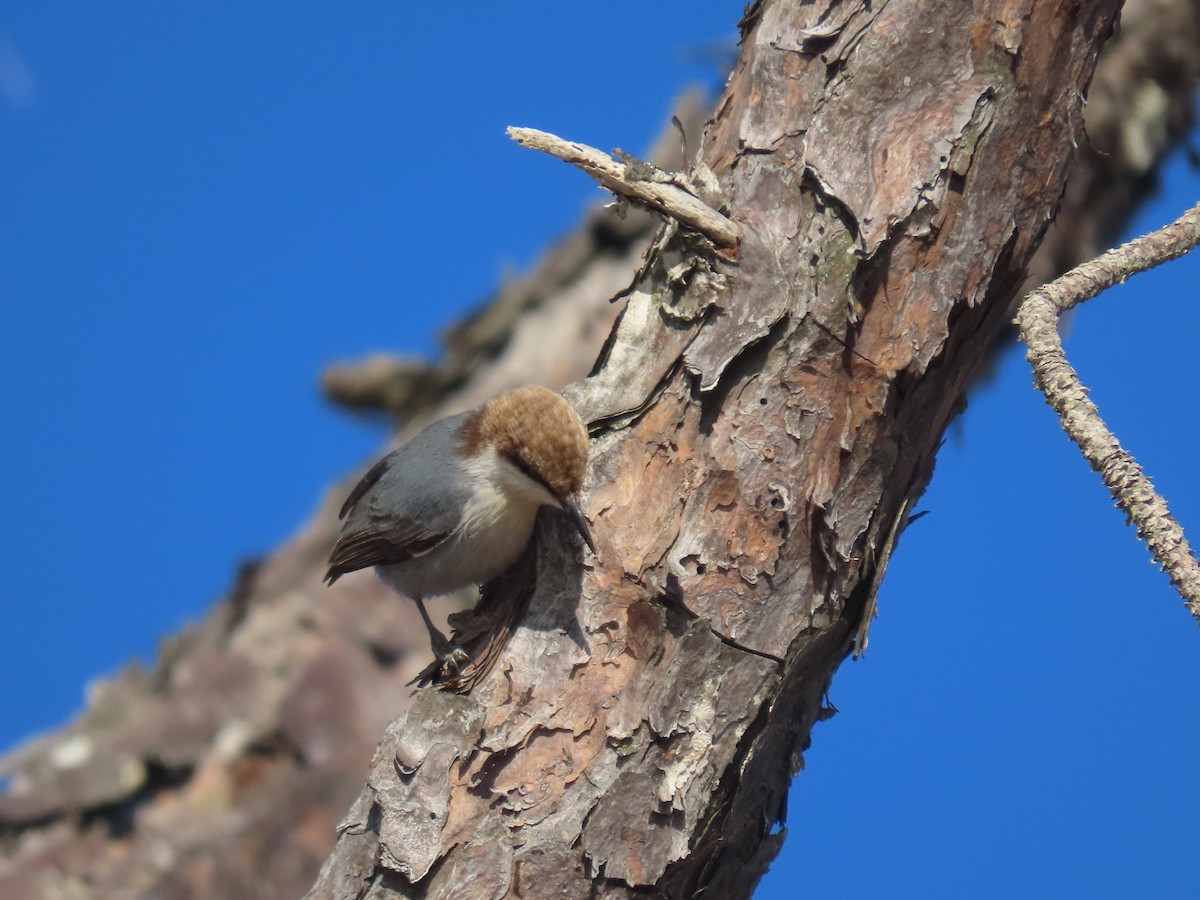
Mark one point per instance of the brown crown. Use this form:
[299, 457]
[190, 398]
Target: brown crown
[537, 431]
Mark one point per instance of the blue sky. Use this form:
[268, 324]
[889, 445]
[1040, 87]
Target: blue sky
[201, 206]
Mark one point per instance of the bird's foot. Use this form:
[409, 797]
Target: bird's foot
[454, 659]
[450, 661]
[452, 656]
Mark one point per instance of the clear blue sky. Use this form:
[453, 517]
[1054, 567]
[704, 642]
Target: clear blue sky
[201, 205]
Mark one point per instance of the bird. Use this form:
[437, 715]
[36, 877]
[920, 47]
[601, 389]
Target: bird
[456, 505]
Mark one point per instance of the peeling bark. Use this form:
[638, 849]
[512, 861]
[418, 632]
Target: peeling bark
[653, 729]
[891, 182]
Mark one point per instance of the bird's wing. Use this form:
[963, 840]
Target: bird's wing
[403, 507]
[365, 484]
[396, 542]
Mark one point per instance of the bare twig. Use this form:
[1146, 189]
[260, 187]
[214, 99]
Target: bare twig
[1038, 321]
[639, 182]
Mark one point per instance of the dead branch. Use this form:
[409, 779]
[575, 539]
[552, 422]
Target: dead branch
[640, 182]
[1038, 320]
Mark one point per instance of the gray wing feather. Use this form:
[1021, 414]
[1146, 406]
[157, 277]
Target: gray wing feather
[407, 503]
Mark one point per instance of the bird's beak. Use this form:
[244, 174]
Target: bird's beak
[570, 505]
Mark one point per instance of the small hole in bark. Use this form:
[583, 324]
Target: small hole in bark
[701, 568]
[777, 502]
[762, 401]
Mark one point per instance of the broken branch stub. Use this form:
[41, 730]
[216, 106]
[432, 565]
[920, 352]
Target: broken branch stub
[639, 182]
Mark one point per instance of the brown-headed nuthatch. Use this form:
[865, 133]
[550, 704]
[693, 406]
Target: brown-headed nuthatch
[456, 504]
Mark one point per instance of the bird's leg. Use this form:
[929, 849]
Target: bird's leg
[452, 656]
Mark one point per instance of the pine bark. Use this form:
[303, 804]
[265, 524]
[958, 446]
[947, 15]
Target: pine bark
[761, 426]
[762, 423]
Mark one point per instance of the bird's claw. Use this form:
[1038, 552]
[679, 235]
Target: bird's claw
[455, 659]
[450, 661]
[452, 657]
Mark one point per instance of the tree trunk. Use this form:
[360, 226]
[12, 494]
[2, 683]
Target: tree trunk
[635, 729]
[761, 427]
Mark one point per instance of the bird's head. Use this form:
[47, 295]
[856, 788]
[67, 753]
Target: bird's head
[539, 434]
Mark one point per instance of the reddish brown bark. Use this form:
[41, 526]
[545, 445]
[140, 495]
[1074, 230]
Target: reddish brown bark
[222, 773]
[760, 427]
